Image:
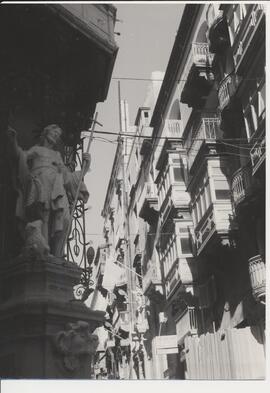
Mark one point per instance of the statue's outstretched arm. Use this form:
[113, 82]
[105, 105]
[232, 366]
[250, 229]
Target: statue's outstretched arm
[12, 142]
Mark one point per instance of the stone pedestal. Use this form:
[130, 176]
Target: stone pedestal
[40, 336]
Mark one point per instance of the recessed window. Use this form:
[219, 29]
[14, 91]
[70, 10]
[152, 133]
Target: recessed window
[223, 194]
[178, 174]
[186, 245]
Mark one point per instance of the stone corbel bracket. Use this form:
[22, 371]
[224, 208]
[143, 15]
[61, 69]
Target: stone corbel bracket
[75, 345]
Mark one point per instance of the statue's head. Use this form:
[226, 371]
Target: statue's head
[52, 133]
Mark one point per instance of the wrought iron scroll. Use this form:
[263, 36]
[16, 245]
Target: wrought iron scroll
[76, 244]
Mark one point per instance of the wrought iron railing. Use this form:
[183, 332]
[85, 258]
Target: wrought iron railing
[76, 244]
[241, 183]
[201, 54]
[173, 128]
[76, 251]
[226, 90]
[257, 152]
[257, 276]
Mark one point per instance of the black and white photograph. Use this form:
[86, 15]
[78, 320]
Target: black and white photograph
[132, 191]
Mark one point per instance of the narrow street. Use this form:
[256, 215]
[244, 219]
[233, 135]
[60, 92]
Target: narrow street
[132, 191]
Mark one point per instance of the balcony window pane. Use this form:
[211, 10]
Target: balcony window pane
[249, 122]
[199, 208]
[186, 246]
[254, 111]
[221, 184]
[222, 189]
[261, 108]
[223, 194]
[207, 195]
[237, 17]
[178, 174]
[203, 202]
[243, 11]
[195, 214]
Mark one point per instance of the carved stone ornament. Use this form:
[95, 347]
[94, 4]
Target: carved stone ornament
[35, 246]
[75, 345]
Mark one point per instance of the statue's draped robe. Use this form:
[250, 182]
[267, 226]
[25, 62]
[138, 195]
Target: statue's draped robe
[46, 187]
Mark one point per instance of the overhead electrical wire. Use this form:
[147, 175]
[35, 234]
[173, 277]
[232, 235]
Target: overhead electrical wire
[130, 78]
[138, 144]
[197, 150]
[132, 135]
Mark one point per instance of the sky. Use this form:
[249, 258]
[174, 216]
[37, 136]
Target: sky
[147, 36]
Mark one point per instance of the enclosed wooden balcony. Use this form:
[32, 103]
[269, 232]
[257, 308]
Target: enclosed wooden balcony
[183, 271]
[214, 225]
[257, 274]
[149, 209]
[241, 185]
[207, 131]
[187, 324]
[200, 77]
[146, 136]
[174, 201]
[151, 281]
[218, 34]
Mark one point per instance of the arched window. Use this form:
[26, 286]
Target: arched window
[175, 113]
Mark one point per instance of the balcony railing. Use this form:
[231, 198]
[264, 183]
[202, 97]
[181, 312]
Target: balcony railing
[241, 185]
[257, 276]
[150, 190]
[187, 324]
[148, 210]
[226, 90]
[198, 75]
[257, 152]
[201, 54]
[208, 130]
[173, 128]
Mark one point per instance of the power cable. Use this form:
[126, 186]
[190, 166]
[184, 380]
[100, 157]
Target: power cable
[119, 134]
[137, 144]
[130, 78]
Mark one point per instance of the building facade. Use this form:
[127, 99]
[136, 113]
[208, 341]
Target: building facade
[56, 65]
[195, 203]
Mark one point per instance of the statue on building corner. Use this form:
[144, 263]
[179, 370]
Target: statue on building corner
[44, 187]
